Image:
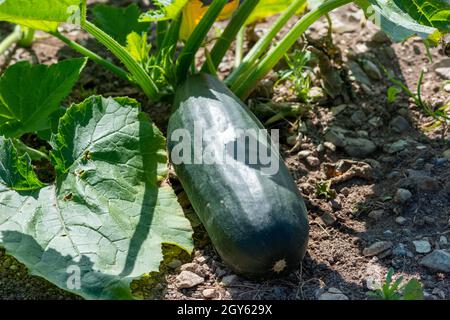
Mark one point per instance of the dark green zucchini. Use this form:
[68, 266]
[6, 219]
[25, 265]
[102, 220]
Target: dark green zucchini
[257, 222]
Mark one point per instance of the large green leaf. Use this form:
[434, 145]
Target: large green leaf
[119, 22]
[164, 10]
[401, 19]
[106, 215]
[40, 14]
[29, 94]
[267, 8]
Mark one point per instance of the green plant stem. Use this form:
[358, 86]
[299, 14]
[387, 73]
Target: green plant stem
[93, 56]
[252, 77]
[161, 29]
[229, 34]
[27, 37]
[13, 38]
[34, 154]
[195, 41]
[264, 43]
[240, 39]
[138, 72]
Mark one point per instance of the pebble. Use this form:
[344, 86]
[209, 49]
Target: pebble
[446, 154]
[209, 293]
[439, 162]
[381, 37]
[401, 221]
[444, 73]
[359, 117]
[313, 161]
[399, 124]
[229, 280]
[328, 219]
[422, 246]
[359, 147]
[304, 154]
[292, 140]
[377, 248]
[397, 146]
[188, 279]
[443, 241]
[333, 294]
[447, 87]
[376, 214]
[373, 283]
[438, 260]
[329, 146]
[400, 250]
[403, 195]
[371, 69]
[193, 267]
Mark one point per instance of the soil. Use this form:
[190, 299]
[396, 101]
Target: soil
[366, 208]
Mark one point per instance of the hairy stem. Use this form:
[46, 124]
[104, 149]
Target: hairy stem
[92, 55]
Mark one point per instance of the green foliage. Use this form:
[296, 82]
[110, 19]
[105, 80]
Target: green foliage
[40, 14]
[119, 22]
[268, 8]
[323, 189]
[165, 10]
[401, 19]
[392, 93]
[298, 73]
[393, 290]
[29, 94]
[106, 216]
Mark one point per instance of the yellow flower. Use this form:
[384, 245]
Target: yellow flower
[194, 11]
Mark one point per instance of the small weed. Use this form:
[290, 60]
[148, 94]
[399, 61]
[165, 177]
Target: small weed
[394, 290]
[298, 73]
[323, 189]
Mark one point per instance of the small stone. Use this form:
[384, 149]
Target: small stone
[422, 246]
[209, 293]
[372, 283]
[438, 260]
[446, 154]
[376, 214]
[444, 73]
[443, 241]
[359, 117]
[400, 250]
[175, 263]
[338, 109]
[333, 294]
[230, 280]
[395, 147]
[220, 272]
[320, 148]
[313, 161]
[381, 37]
[371, 69]
[193, 267]
[335, 205]
[304, 154]
[328, 219]
[329, 146]
[403, 195]
[377, 248]
[388, 233]
[399, 124]
[187, 279]
[439, 162]
[447, 87]
[359, 147]
[401, 221]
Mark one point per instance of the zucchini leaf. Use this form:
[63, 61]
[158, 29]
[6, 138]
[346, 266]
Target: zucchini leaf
[401, 19]
[268, 8]
[106, 216]
[164, 10]
[119, 22]
[43, 15]
[29, 94]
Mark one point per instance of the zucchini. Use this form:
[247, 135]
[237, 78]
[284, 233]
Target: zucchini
[257, 222]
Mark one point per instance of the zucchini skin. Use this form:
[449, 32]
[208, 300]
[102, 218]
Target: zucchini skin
[257, 223]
